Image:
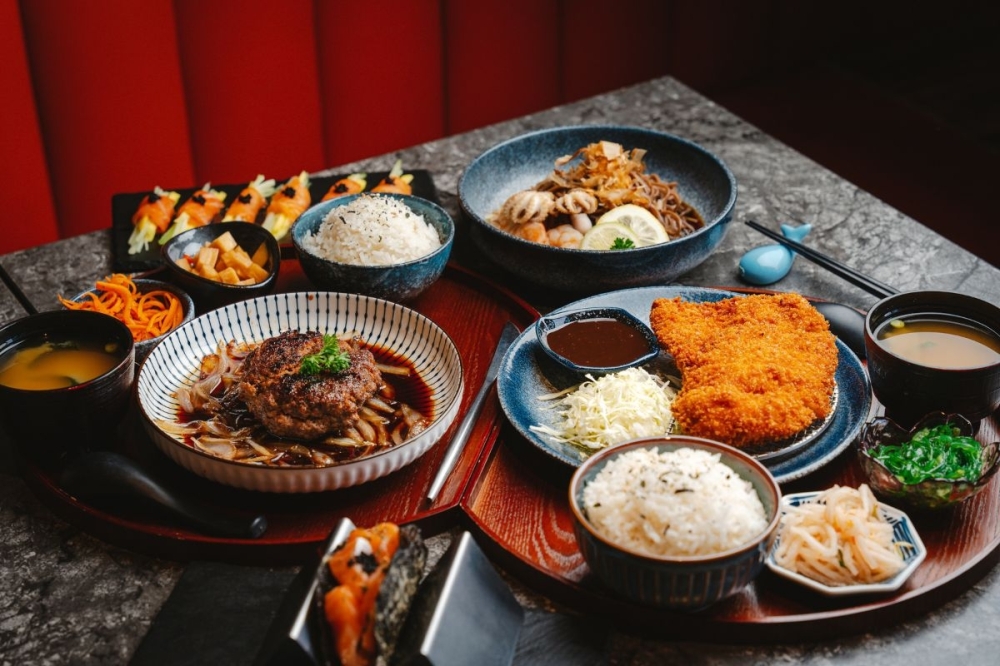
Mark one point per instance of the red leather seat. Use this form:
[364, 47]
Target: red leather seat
[110, 101]
[31, 216]
[251, 87]
[175, 93]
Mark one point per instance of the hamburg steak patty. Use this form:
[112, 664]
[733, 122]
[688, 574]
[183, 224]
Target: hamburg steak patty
[306, 406]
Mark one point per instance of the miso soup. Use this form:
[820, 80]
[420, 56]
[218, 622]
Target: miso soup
[940, 341]
[48, 365]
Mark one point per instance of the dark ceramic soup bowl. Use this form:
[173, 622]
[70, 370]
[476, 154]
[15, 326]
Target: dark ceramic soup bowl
[909, 388]
[48, 424]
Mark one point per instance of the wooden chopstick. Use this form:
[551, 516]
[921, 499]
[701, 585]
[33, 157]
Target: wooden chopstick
[869, 284]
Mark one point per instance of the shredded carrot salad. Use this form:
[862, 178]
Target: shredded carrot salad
[148, 315]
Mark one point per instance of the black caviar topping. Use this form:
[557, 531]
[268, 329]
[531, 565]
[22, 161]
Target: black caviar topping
[366, 561]
[246, 198]
[288, 191]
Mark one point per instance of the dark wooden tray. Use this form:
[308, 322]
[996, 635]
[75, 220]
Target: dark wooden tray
[469, 308]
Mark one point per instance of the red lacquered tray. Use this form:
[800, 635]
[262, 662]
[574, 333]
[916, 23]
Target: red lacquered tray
[471, 309]
[539, 547]
[515, 498]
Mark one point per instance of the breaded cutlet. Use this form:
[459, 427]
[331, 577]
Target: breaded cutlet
[755, 369]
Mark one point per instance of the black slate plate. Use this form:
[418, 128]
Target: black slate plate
[123, 205]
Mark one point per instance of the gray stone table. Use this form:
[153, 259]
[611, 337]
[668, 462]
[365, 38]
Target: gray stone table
[67, 598]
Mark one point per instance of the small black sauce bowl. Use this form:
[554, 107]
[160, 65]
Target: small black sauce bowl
[930, 494]
[49, 425]
[549, 323]
[910, 390]
[209, 294]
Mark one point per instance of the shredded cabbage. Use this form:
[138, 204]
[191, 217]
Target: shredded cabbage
[611, 409]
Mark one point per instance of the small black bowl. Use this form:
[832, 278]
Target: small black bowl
[49, 424]
[210, 294]
[641, 336]
[910, 390]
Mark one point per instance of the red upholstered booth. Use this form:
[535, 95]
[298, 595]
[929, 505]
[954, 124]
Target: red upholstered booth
[106, 96]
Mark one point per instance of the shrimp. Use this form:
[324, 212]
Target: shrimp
[151, 217]
[532, 231]
[287, 205]
[352, 184]
[396, 182]
[203, 207]
[248, 203]
[565, 235]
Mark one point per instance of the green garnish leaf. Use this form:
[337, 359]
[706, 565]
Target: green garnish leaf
[330, 359]
[622, 244]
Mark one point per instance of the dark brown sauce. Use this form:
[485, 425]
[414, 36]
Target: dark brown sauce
[598, 343]
[411, 389]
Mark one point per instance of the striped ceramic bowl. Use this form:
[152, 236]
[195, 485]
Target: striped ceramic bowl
[175, 362]
[676, 582]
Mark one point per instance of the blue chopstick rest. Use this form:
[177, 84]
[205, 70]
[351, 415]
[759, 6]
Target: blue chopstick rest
[769, 263]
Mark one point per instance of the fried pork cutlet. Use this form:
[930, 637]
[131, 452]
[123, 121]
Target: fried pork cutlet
[755, 369]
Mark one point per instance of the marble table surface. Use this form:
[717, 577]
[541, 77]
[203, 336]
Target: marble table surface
[68, 598]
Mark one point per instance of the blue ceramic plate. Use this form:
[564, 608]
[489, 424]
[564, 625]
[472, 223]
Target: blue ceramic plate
[902, 532]
[527, 372]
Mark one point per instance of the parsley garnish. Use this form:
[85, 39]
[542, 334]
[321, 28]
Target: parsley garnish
[622, 244]
[329, 359]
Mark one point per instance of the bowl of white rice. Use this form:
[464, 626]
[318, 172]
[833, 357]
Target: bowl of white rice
[389, 246]
[674, 522]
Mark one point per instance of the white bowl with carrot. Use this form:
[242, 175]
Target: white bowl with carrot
[149, 308]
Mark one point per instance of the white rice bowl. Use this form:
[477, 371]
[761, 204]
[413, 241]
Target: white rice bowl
[372, 230]
[684, 502]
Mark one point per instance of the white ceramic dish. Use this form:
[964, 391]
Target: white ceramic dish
[903, 531]
[174, 362]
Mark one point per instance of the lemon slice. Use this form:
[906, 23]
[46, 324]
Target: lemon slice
[603, 236]
[643, 224]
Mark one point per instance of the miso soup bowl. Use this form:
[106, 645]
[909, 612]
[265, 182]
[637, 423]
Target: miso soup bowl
[682, 582]
[50, 424]
[910, 390]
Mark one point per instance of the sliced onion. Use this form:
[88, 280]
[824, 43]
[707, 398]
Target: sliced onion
[379, 404]
[366, 430]
[399, 370]
[217, 447]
